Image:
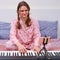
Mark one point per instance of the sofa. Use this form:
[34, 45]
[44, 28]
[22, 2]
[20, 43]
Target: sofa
[47, 28]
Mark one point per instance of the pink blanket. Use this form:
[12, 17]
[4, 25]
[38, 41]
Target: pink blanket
[54, 44]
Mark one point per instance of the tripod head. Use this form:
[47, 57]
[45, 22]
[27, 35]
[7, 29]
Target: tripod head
[45, 41]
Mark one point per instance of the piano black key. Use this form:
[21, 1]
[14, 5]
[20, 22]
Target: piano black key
[3, 54]
[21, 53]
[9, 53]
[13, 54]
[31, 54]
[27, 54]
[35, 54]
[17, 54]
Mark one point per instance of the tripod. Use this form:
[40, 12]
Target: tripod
[45, 41]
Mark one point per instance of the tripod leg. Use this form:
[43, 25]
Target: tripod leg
[41, 50]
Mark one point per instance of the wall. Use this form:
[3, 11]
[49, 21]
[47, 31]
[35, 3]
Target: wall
[40, 9]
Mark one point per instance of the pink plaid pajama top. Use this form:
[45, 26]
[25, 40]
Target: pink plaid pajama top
[28, 36]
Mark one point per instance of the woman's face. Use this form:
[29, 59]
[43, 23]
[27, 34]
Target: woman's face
[23, 12]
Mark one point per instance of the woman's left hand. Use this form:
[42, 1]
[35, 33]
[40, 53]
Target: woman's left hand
[36, 48]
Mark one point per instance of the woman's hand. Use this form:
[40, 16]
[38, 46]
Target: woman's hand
[22, 49]
[36, 48]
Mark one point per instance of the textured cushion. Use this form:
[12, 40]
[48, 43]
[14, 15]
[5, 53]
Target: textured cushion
[4, 30]
[48, 28]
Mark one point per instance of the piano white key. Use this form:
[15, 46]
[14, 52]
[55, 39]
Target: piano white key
[25, 54]
[5, 53]
[29, 53]
[0, 53]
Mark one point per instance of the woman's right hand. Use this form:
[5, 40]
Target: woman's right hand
[21, 48]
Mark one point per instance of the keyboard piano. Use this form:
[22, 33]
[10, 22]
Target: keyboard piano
[31, 54]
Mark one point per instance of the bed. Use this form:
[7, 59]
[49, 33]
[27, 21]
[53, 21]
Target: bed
[47, 28]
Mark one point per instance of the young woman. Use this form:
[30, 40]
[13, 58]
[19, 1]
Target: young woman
[24, 33]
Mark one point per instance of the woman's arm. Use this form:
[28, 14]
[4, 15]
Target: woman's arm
[13, 32]
[36, 34]
[13, 37]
